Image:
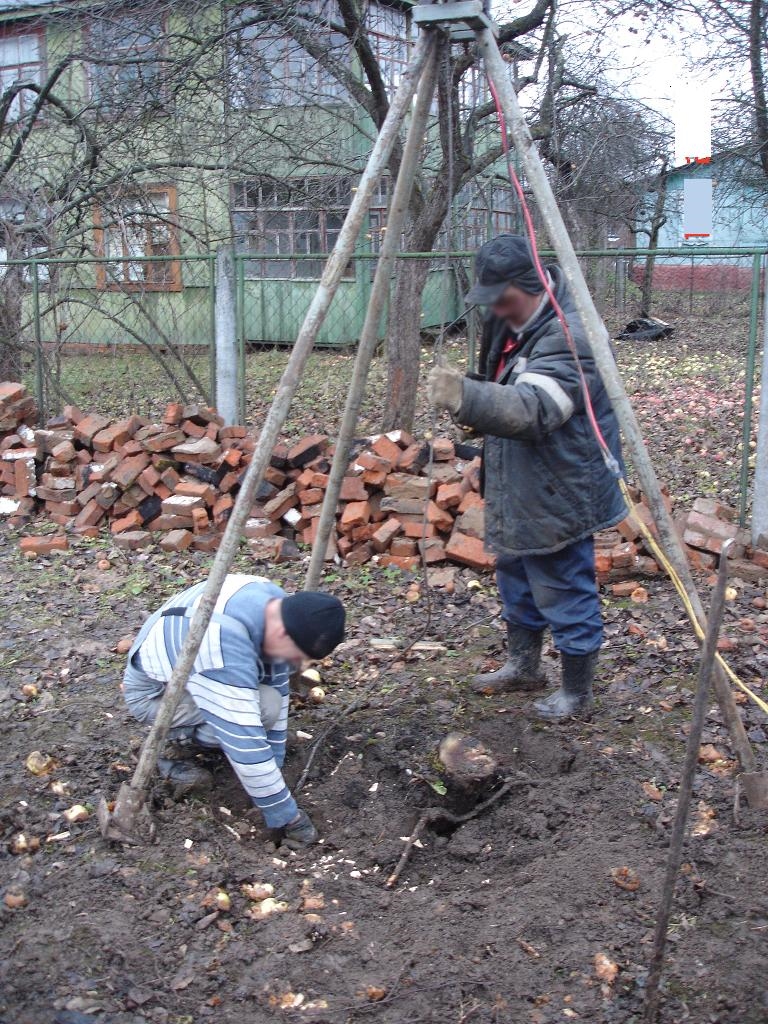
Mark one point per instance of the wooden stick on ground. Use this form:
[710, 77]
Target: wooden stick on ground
[708, 652]
[433, 814]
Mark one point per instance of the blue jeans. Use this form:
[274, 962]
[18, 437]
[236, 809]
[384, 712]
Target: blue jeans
[557, 590]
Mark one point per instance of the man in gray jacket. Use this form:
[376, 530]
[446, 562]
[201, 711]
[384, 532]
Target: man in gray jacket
[548, 486]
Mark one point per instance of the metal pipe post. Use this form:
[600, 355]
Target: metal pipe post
[749, 387]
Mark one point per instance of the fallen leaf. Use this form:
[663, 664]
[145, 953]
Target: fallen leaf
[652, 792]
[375, 993]
[625, 878]
[635, 629]
[605, 969]
[708, 754]
[704, 822]
[181, 981]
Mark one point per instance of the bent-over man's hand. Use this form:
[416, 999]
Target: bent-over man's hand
[444, 388]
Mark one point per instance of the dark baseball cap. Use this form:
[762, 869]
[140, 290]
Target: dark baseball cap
[503, 261]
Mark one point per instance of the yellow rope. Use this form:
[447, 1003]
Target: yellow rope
[661, 558]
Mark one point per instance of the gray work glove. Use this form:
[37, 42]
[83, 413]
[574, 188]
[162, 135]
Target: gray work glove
[444, 388]
[300, 831]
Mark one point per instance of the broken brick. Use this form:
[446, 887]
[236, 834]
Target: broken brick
[43, 545]
[383, 536]
[305, 450]
[176, 540]
[133, 540]
[450, 495]
[469, 551]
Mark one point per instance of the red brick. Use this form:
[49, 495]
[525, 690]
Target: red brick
[202, 452]
[356, 513]
[25, 477]
[192, 429]
[232, 457]
[697, 522]
[386, 448]
[91, 515]
[446, 473]
[43, 545]
[404, 506]
[206, 542]
[131, 521]
[233, 433]
[173, 413]
[164, 441]
[623, 589]
[64, 451]
[133, 540]
[311, 496]
[468, 551]
[11, 391]
[403, 546]
[623, 555]
[400, 437]
[384, 535]
[443, 449]
[107, 496]
[68, 509]
[405, 486]
[307, 449]
[164, 523]
[369, 460]
[148, 479]
[170, 478]
[353, 489]
[116, 435]
[102, 470]
[230, 481]
[374, 477]
[182, 505]
[362, 534]
[279, 456]
[176, 540]
[19, 453]
[88, 427]
[471, 473]
[400, 562]
[439, 518]
[56, 517]
[73, 414]
[222, 509]
[196, 489]
[602, 562]
[450, 495]
[282, 501]
[416, 528]
[359, 555]
[434, 551]
[256, 528]
[759, 557]
[273, 476]
[472, 522]
[128, 471]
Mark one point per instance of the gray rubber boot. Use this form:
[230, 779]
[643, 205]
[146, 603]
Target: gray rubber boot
[185, 776]
[574, 698]
[522, 669]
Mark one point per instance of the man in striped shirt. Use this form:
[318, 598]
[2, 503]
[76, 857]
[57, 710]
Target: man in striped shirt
[236, 697]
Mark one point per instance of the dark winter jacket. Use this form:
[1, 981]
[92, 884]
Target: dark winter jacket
[546, 482]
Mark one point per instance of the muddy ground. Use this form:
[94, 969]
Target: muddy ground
[498, 920]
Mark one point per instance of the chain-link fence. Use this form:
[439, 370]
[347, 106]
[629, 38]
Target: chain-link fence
[140, 331]
[137, 330]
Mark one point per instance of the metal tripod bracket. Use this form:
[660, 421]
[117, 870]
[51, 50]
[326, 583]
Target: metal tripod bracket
[460, 18]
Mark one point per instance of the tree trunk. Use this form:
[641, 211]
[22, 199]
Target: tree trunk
[11, 366]
[658, 220]
[404, 344]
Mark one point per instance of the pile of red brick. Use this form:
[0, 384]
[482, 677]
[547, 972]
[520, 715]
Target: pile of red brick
[176, 481]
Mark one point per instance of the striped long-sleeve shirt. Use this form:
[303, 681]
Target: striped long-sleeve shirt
[224, 682]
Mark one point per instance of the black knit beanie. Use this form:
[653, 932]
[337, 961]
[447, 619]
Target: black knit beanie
[314, 621]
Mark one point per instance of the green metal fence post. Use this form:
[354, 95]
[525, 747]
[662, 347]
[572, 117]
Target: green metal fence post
[212, 327]
[749, 385]
[39, 355]
[240, 314]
